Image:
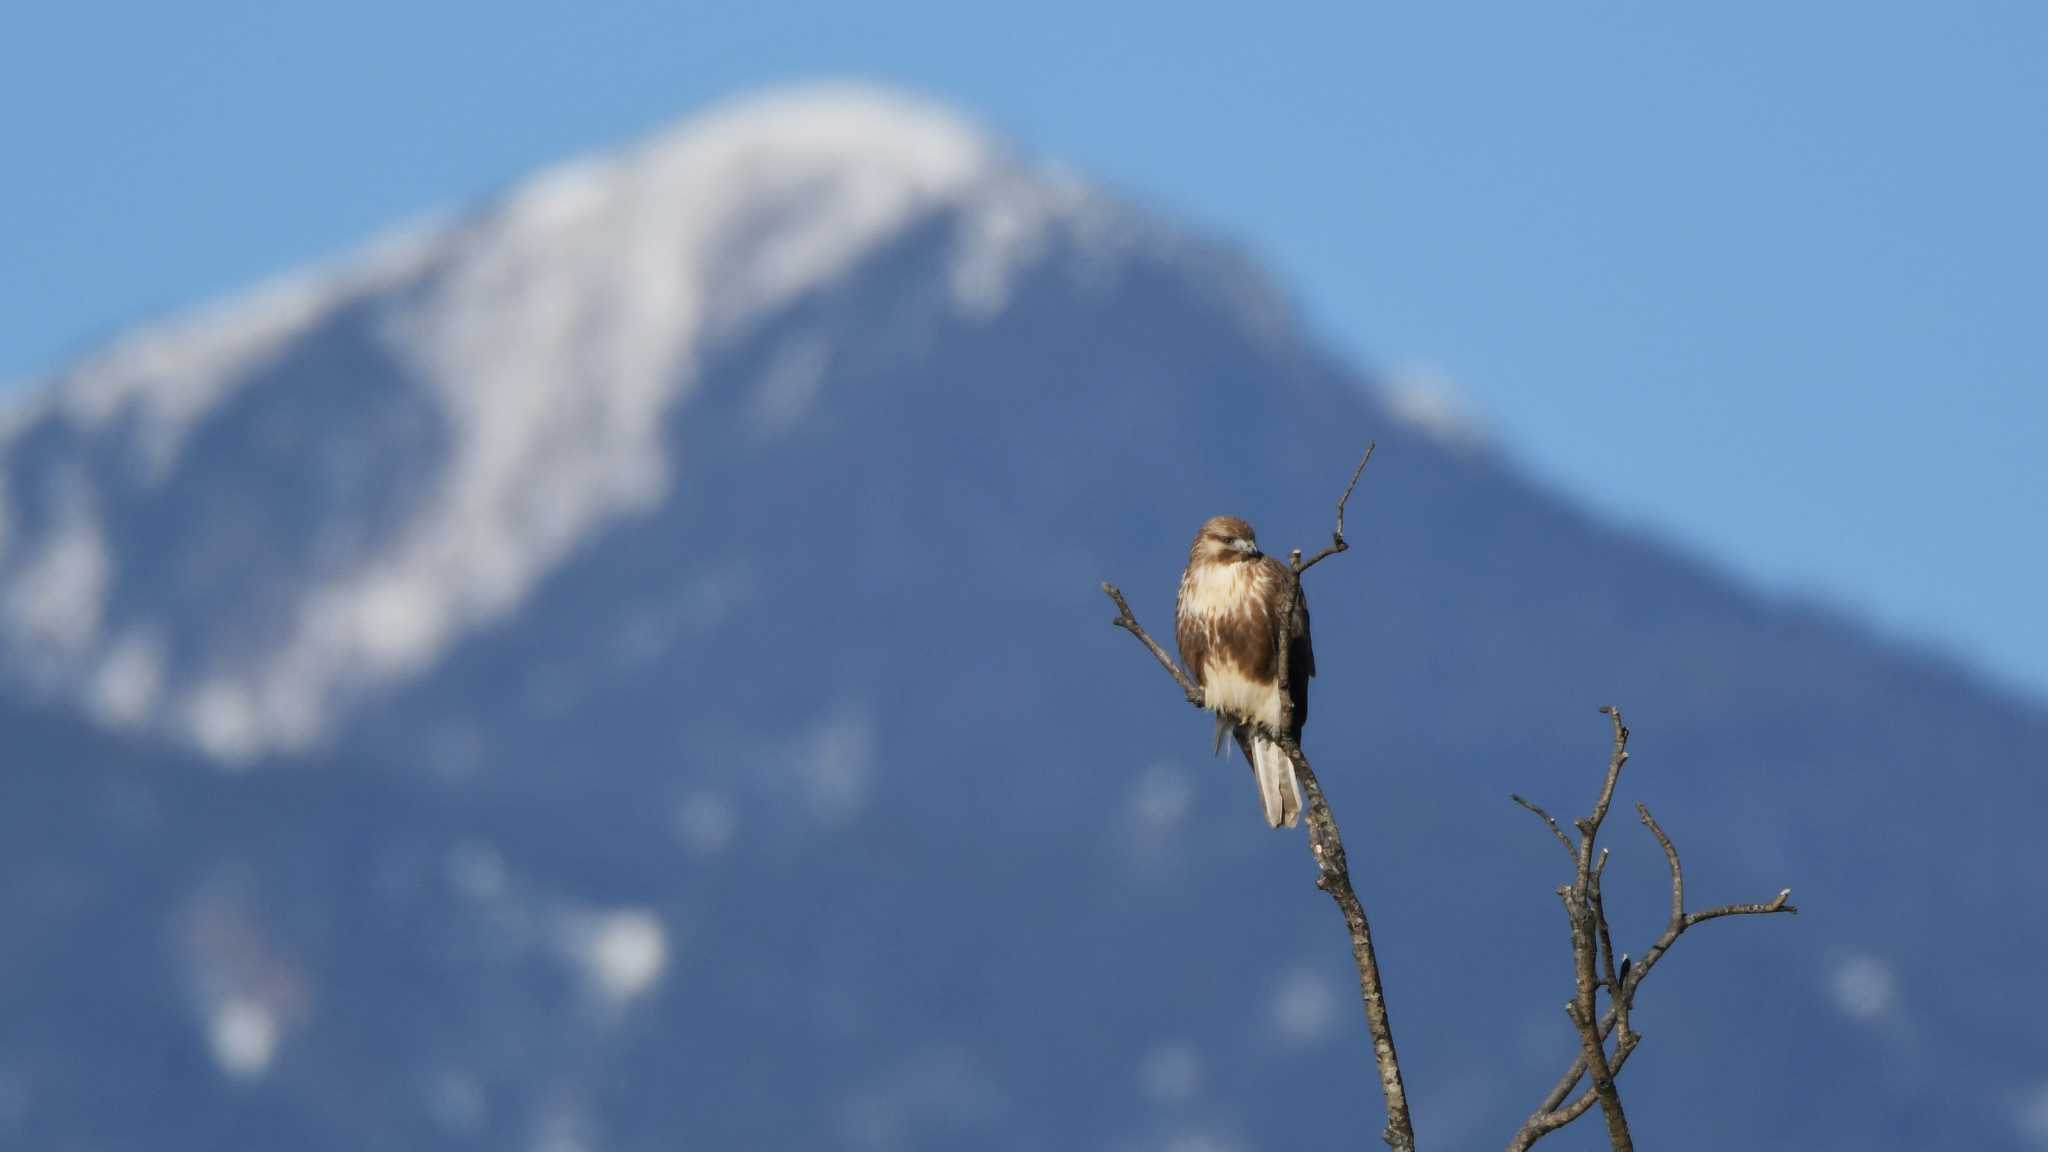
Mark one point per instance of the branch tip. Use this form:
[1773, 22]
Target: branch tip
[1337, 542]
[1550, 820]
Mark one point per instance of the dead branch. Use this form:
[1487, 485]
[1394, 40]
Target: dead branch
[1333, 873]
[1570, 852]
[1337, 542]
[1129, 623]
[1595, 966]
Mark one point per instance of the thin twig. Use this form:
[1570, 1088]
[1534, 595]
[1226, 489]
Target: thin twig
[1680, 919]
[1614, 766]
[1337, 541]
[1775, 904]
[1570, 852]
[1129, 623]
[1670, 858]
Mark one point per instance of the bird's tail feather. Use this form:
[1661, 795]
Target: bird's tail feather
[1223, 727]
[1279, 790]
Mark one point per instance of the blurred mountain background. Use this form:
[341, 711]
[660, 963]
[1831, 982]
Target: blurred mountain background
[623, 668]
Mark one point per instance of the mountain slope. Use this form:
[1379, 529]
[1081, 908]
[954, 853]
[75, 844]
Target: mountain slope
[663, 612]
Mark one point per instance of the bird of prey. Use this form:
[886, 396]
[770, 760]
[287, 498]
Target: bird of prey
[1233, 600]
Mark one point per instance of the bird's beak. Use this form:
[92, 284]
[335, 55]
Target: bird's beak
[1246, 547]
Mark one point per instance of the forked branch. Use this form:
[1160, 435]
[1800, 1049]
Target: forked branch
[1337, 542]
[1596, 969]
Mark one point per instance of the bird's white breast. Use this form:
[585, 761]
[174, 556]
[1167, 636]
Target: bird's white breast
[1220, 597]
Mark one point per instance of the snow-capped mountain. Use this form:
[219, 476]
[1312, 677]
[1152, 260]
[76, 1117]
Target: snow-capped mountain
[657, 616]
[505, 399]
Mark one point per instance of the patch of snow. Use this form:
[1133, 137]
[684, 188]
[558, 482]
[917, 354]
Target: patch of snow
[1305, 1008]
[247, 995]
[242, 1035]
[1863, 987]
[1161, 798]
[55, 596]
[129, 681]
[1431, 401]
[1008, 231]
[223, 720]
[1149, 829]
[622, 953]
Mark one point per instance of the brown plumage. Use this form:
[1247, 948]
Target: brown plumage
[1232, 601]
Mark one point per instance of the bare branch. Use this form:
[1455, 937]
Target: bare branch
[1680, 919]
[1334, 877]
[1614, 766]
[1337, 541]
[1129, 623]
[1570, 852]
[1671, 858]
[1777, 904]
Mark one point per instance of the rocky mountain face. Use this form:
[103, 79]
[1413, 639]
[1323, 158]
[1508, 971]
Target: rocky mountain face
[625, 669]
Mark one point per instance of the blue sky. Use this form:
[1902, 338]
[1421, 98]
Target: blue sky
[1766, 279]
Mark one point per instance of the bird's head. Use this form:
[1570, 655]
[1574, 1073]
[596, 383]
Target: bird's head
[1224, 540]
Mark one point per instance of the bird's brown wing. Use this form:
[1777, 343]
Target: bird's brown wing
[1192, 636]
[1301, 664]
[1301, 652]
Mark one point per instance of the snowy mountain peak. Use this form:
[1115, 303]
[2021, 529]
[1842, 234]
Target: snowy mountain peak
[537, 348]
[811, 176]
[825, 131]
